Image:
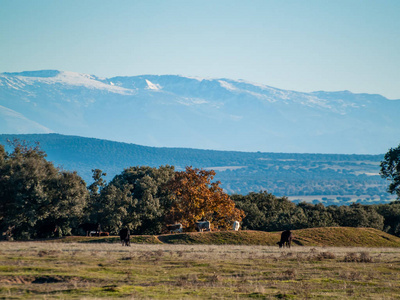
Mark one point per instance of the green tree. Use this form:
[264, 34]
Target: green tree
[265, 211]
[36, 197]
[136, 198]
[3, 154]
[94, 205]
[98, 182]
[390, 169]
[117, 208]
[316, 215]
[357, 215]
[69, 197]
[391, 214]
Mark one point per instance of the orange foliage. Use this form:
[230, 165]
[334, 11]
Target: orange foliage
[196, 198]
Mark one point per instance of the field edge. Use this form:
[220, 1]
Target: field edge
[323, 237]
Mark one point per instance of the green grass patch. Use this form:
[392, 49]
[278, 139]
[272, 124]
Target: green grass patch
[324, 236]
[245, 237]
[172, 271]
[345, 237]
[135, 239]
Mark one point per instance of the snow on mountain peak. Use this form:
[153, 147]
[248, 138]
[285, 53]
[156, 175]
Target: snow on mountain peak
[227, 85]
[153, 86]
[65, 78]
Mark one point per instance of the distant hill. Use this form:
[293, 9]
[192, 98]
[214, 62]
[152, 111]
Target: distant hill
[328, 178]
[203, 113]
[322, 237]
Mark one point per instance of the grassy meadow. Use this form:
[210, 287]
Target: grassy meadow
[324, 236]
[67, 269]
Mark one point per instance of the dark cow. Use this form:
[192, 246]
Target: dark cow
[48, 230]
[91, 228]
[125, 236]
[175, 228]
[286, 239]
[203, 226]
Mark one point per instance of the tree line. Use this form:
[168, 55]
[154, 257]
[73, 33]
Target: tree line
[38, 200]
[265, 211]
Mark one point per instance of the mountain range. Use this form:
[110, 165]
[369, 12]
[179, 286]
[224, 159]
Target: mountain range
[203, 113]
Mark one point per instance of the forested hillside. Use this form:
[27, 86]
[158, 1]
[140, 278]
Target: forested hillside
[328, 178]
[38, 200]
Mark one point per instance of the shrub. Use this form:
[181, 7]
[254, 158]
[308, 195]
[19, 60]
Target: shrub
[326, 255]
[362, 257]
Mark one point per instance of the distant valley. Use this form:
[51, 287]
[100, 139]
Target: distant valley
[328, 178]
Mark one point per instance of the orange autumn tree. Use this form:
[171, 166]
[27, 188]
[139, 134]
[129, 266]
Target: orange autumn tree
[195, 197]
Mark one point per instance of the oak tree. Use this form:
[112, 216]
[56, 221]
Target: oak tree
[390, 169]
[195, 197]
[36, 198]
[136, 199]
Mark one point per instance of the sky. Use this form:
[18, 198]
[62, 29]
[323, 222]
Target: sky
[297, 45]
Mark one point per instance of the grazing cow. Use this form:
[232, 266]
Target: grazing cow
[236, 225]
[203, 226]
[103, 233]
[91, 228]
[175, 228]
[286, 239]
[125, 236]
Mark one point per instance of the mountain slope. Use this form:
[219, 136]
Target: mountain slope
[14, 122]
[176, 111]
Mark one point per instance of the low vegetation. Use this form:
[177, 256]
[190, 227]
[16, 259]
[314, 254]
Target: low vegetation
[37, 270]
[345, 237]
[322, 237]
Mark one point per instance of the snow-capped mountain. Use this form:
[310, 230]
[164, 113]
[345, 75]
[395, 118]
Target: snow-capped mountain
[177, 111]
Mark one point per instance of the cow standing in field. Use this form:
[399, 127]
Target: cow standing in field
[125, 236]
[175, 228]
[203, 226]
[236, 225]
[286, 239]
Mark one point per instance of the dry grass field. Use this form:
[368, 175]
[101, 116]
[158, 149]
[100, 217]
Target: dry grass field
[324, 236]
[42, 270]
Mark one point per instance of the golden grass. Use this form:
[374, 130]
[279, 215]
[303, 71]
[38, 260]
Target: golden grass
[324, 236]
[39, 270]
[345, 236]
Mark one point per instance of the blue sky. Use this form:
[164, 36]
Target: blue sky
[297, 45]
